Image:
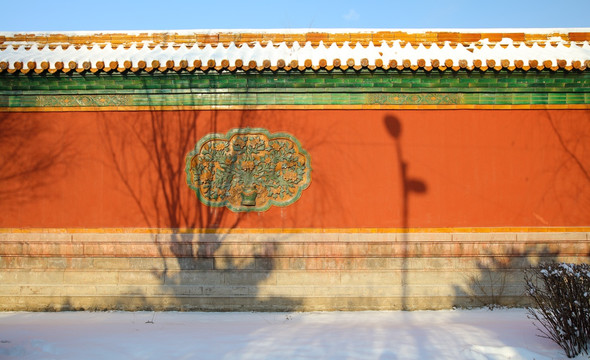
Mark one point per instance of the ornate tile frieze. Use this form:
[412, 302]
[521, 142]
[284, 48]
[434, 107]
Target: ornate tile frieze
[83, 100]
[415, 99]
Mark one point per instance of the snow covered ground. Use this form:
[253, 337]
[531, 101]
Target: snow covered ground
[454, 334]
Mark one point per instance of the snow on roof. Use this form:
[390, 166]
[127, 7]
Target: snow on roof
[294, 49]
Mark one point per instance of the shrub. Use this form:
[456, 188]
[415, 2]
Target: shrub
[561, 304]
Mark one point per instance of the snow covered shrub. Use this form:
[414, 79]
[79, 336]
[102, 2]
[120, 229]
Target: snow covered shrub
[561, 298]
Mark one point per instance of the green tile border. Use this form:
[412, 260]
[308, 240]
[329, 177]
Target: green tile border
[380, 87]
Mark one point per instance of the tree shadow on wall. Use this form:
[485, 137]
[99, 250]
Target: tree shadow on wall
[25, 170]
[205, 264]
[572, 138]
[498, 278]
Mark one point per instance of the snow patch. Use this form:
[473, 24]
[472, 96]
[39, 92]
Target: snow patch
[462, 334]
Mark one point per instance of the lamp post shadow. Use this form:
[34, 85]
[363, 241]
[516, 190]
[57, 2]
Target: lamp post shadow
[409, 186]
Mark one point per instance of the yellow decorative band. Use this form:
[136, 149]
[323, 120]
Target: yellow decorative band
[301, 107]
[567, 229]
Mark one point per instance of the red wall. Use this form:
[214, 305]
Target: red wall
[464, 168]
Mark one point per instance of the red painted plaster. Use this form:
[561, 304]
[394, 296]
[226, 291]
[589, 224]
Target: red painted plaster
[464, 168]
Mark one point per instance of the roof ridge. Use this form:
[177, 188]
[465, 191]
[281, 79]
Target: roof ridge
[248, 51]
[576, 35]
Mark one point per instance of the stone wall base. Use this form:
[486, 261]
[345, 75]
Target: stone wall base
[299, 271]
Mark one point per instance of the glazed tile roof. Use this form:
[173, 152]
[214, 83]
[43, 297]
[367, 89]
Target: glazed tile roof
[290, 50]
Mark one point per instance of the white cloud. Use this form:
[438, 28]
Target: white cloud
[352, 15]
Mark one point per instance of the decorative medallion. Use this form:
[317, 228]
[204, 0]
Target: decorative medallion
[248, 169]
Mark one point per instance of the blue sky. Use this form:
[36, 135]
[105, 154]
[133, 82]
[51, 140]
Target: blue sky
[45, 15]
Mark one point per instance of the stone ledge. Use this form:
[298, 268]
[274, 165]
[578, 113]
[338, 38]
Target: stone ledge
[244, 303]
[567, 244]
